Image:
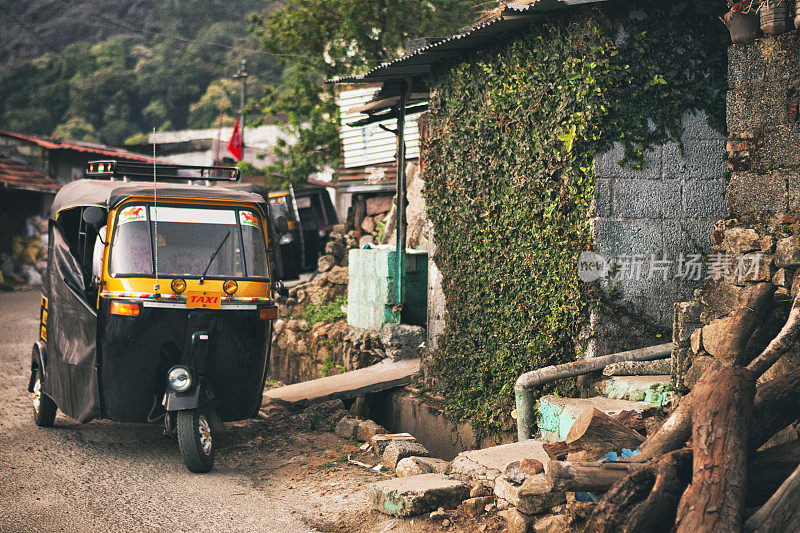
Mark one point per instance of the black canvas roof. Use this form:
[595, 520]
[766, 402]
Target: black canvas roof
[108, 194]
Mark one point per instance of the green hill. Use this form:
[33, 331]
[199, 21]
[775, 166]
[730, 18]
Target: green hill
[104, 71]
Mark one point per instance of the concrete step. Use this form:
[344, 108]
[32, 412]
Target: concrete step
[650, 389]
[486, 464]
[556, 415]
[375, 378]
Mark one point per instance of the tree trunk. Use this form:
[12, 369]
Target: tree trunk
[633, 420]
[610, 513]
[782, 510]
[779, 344]
[778, 405]
[748, 316]
[646, 500]
[768, 469]
[594, 434]
[672, 434]
[722, 408]
[592, 476]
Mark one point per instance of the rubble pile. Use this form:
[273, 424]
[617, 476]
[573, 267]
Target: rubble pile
[26, 264]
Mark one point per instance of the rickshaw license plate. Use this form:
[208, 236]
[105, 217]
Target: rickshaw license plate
[203, 300]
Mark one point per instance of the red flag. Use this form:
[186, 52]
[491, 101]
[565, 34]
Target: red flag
[235, 144]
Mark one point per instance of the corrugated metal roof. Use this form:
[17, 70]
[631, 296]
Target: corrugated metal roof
[421, 61]
[16, 175]
[91, 148]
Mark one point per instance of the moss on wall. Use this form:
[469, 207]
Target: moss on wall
[508, 166]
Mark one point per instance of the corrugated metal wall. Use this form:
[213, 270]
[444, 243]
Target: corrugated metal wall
[369, 145]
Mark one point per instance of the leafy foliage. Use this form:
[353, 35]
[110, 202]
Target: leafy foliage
[326, 312]
[319, 39]
[512, 134]
[165, 65]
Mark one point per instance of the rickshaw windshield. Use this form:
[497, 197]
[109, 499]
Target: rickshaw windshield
[187, 240]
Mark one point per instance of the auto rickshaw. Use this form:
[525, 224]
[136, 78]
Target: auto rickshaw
[158, 302]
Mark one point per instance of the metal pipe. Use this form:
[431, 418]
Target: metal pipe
[526, 383]
[401, 195]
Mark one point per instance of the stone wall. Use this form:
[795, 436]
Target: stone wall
[762, 115]
[762, 227]
[666, 208]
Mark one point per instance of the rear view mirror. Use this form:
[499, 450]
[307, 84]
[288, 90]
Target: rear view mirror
[282, 225]
[94, 216]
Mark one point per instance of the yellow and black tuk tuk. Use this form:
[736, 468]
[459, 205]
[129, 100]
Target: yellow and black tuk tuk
[158, 302]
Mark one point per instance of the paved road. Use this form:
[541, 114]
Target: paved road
[107, 476]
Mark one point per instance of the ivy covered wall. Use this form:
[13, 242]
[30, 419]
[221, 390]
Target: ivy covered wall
[510, 187]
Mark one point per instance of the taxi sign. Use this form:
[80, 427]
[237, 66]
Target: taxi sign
[203, 300]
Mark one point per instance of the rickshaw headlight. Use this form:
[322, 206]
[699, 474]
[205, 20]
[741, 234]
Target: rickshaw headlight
[230, 287]
[179, 378]
[178, 285]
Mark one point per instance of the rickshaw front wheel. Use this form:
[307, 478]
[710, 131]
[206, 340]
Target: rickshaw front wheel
[44, 408]
[196, 440]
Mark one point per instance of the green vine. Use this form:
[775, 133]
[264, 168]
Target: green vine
[508, 166]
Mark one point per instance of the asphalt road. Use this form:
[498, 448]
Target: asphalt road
[106, 476]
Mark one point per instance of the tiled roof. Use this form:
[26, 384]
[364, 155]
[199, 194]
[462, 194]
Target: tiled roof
[91, 148]
[15, 175]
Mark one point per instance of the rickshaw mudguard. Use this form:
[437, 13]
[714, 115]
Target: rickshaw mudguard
[198, 396]
[37, 361]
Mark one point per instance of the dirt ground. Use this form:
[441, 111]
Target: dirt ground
[283, 472]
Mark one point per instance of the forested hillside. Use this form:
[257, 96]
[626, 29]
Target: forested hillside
[104, 71]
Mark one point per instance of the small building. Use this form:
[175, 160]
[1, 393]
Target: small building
[367, 173]
[33, 168]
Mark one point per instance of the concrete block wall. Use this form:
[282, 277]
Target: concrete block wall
[764, 142]
[373, 284]
[666, 208]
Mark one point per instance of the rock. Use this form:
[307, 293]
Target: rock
[787, 252]
[533, 496]
[795, 286]
[368, 224]
[379, 204]
[487, 464]
[401, 341]
[475, 506]
[754, 267]
[514, 474]
[768, 244]
[741, 240]
[446, 522]
[325, 263]
[551, 524]
[479, 490]
[782, 278]
[697, 340]
[531, 467]
[339, 275]
[335, 248]
[413, 495]
[412, 466]
[382, 440]
[516, 522]
[347, 427]
[685, 318]
[502, 504]
[714, 334]
[365, 240]
[368, 429]
[397, 450]
[438, 514]
[352, 243]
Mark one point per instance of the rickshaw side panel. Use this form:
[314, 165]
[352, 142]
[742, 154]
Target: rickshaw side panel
[71, 377]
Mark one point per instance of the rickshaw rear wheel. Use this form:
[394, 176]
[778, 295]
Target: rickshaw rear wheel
[196, 440]
[44, 408]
